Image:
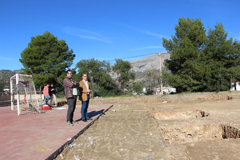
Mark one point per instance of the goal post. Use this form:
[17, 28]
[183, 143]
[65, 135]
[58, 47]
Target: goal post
[24, 98]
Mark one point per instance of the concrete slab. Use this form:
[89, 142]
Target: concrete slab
[37, 136]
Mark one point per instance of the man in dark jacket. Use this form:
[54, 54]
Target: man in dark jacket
[70, 89]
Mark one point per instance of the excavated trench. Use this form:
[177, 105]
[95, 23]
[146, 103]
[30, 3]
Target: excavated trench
[180, 115]
[176, 127]
[230, 132]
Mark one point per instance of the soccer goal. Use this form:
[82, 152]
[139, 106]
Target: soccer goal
[24, 98]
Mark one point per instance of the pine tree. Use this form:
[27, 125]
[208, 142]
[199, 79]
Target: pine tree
[99, 75]
[201, 62]
[221, 60]
[46, 58]
[185, 48]
[124, 72]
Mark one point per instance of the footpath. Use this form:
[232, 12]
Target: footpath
[125, 132]
[39, 136]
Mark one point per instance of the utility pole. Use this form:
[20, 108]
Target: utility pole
[40, 93]
[160, 67]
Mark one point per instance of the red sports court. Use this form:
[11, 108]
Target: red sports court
[38, 136]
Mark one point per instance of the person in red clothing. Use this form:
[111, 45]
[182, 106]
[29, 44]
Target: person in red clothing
[46, 93]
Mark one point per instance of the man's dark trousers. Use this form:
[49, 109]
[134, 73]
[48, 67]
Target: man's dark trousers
[71, 107]
[84, 109]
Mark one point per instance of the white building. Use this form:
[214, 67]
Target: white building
[6, 90]
[238, 86]
[166, 90]
[235, 86]
[169, 90]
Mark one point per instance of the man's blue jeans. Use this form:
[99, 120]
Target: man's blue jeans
[47, 98]
[84, 109]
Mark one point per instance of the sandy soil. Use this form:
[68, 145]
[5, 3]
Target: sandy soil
[171, 127]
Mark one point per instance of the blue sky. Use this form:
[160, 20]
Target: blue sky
[105, 29]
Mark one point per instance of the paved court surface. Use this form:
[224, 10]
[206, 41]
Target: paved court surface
[37, 136]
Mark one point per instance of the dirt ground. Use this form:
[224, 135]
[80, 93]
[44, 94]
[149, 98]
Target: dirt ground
[195, 127]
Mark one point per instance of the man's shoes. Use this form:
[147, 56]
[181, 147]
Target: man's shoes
[89, 119]
[69, 123]
[84, 120]
[75, 122]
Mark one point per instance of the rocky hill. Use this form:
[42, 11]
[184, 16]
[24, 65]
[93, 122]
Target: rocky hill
[149, 62]
[6, 74]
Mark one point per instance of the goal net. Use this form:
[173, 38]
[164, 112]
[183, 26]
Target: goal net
[24, 98]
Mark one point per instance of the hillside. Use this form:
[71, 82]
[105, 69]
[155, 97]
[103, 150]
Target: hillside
[140, 66]
[149, 62]
[6, 74]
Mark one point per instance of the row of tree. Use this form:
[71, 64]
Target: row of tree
[200, 61]
[106, 79]
[47, 59]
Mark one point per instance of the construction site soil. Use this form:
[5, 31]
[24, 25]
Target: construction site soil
[173, 127]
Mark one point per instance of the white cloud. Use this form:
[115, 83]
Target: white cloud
[152, 33]
[145, 31]
[77, 30]
[7, 59]
[89, 37]
[148, 47]
[84, 34]
[152, 47]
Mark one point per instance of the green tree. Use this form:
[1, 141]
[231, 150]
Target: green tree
[94, 68]
[185, 48]
[152, 77]
[2, 84]
[138, 87]
[234, 60]
[201, 62]
[123, 71]
[221, 60]
[99, 74]
[47, 59]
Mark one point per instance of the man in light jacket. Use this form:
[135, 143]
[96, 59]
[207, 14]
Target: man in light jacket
[85, 91]
[70, 89]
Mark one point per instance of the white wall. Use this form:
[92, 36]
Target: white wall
[238, 86]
